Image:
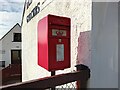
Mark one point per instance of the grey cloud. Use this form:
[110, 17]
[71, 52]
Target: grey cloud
[3, 24]
[8, 10]
[11, 7]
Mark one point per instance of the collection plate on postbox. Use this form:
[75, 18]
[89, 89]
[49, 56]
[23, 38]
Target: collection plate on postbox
[56, 32]
[54, 42]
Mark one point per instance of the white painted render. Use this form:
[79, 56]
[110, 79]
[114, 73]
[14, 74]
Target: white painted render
[7, 44]
[104, 39]
[80, 14]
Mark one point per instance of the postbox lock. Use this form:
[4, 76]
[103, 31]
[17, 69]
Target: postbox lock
[60, 40]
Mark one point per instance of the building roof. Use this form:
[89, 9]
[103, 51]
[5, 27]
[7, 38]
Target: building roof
[10, 30]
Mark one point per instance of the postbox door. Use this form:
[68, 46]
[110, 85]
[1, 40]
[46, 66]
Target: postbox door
[59, 53]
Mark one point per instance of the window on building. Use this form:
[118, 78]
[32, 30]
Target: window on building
[15, 56]
[17, 37]
[2, 63]
[2, 51]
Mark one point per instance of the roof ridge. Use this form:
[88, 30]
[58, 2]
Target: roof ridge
[11, 30]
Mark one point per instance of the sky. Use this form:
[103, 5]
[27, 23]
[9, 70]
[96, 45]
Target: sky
[10, 13]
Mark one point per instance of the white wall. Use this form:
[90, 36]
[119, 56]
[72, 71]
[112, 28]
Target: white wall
[80, 14]
[118, 43]
[8, 45]
[104, 65]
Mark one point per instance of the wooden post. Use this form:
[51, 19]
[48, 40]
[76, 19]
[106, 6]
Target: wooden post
[82, 84]
[52, 74]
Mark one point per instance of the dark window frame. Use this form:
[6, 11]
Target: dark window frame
[20, 56]
[2, 63]
[17, 37]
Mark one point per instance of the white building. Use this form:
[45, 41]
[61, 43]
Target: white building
[10, 47]
[78, 11]
[104, 37]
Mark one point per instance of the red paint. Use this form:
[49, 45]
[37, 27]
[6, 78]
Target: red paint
[84, 48]
[11, 71]
[47, 57]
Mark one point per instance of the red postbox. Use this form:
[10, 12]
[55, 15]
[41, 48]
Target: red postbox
[54, 42]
